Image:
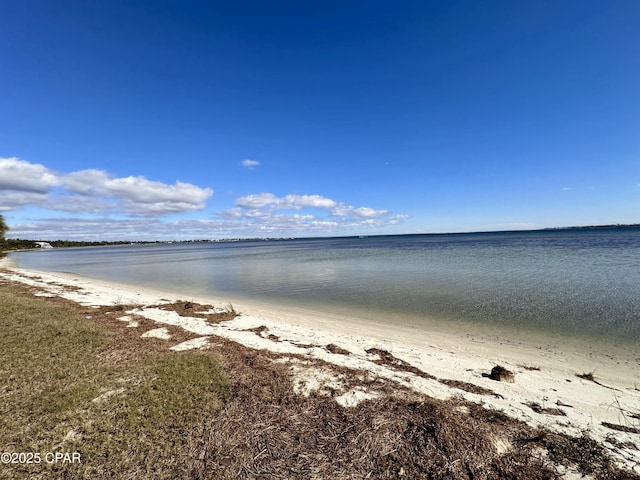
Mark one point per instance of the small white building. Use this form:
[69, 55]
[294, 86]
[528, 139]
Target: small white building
[44, 244]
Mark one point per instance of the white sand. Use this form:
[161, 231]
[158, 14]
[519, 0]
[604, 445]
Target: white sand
[465, 356]
[162, 333]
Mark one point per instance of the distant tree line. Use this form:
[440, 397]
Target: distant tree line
[23, 244]
[16, 244]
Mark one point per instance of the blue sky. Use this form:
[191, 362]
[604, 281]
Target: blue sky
[191, 120]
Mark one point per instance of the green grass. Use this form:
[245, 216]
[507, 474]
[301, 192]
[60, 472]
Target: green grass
[54, 362]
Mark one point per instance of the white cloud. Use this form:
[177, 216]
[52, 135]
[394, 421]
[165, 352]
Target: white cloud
[87, 182]
[138, 194]
[93, 191]
[82, 204]
[256, 200]
[102, 206]
[325, 224]
[233, 213]
[259, 211]
[12, 199]
[291, 201]
[22, 176]
[302, 201]
[250, 164]
[343, 210]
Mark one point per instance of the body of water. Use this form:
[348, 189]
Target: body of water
[575, 281]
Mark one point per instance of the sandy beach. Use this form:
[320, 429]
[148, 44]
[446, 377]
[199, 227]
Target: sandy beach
[551, 385]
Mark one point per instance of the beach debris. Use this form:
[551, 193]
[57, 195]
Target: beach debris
[263, 332]
[536, 407]
[387, 358]
[621, 428]
[589, 376]
[501, 374]
[586, 376]
[333, 348]
[531, 368]
[195, 310]
[467, 387]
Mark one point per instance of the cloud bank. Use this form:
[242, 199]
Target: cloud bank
[93, 204]
[266, 212]
[21, 176]
[93, 191]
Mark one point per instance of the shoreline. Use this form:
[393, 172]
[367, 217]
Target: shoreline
[546, 374]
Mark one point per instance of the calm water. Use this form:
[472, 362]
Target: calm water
[565, 281]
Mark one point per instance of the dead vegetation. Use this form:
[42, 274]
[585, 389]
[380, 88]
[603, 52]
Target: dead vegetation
[331, 348]
[536, 407]
[388, 359]
[501, 374]
[591, 378]
[530, 368]
[210, 313]
[467, 387]
[263, 332]
[267, 431]
[621, 428]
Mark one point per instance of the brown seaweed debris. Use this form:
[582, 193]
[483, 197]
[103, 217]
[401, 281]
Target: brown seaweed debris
[589, 376]
[196, 310]
[621, 428]
[501, 374]
[387, 358]
[536, 407]
[332, 348]
[262, 331]
[467, 387]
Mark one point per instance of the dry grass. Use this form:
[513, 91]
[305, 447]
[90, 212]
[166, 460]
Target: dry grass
[70, 383]
[233, 413]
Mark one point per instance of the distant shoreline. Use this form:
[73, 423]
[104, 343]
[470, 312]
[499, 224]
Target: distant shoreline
[73, 243]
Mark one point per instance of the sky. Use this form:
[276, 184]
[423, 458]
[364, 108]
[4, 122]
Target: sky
[180, 120]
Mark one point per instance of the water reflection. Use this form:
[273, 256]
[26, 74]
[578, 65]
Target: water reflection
[567, 281]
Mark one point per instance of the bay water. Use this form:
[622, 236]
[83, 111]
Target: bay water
[573, 282]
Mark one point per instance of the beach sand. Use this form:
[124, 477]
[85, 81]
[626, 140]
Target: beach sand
[546, 391]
